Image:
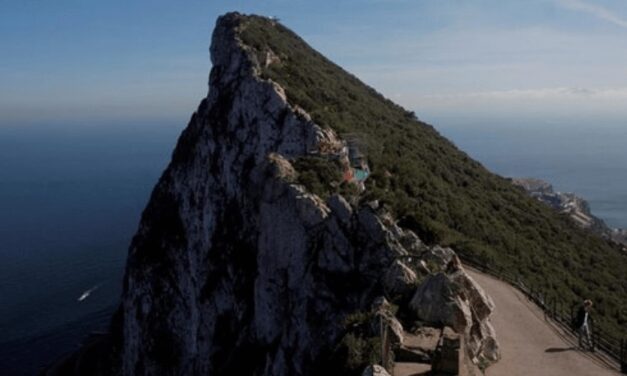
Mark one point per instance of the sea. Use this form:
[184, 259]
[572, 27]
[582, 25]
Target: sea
[71, 199]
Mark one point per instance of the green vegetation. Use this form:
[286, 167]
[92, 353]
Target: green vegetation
[318, 174]
[358, 348]
[438, 191]
[323, 176]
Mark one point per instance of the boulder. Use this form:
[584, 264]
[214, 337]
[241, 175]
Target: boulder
[457, 301]
[399, 280]
[482, 346]
[480, 338]
[480, 302]
[437, 301]
[438, 257]
[384, 315]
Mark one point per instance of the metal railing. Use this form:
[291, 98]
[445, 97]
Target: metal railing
[386, 345]
[558, 312]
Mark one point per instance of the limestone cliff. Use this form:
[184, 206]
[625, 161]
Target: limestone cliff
[236, 269]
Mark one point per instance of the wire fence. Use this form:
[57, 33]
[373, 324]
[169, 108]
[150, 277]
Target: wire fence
[559, 312]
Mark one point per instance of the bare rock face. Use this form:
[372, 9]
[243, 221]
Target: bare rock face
[399, 279]
[232, 260]
[457, 301]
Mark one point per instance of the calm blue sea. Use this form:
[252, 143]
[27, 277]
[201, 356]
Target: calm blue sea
[70, 201]
[71, 197]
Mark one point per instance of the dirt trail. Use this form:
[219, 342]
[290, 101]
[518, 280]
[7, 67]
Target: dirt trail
[530, 345]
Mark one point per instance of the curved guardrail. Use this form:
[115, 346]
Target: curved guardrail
[561, 314]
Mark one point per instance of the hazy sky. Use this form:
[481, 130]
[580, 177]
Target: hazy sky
[465, 60]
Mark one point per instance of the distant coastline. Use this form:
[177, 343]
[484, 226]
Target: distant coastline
[577, 208]
[587, 161]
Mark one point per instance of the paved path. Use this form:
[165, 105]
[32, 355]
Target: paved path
[530, 345]
[411, 369]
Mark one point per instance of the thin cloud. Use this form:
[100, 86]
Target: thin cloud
[595, 10]
[541, 93]
[551, 102]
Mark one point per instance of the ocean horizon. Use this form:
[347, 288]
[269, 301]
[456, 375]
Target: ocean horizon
[71, 199]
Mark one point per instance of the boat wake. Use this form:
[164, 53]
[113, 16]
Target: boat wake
[86, 294]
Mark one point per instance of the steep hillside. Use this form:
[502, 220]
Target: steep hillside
[436, 189]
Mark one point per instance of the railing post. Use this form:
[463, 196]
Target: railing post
[382, 335]
[595, 336]
[623, 356]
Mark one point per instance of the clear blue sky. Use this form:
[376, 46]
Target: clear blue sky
[463, 60]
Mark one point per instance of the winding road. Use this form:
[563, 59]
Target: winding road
[529, 344]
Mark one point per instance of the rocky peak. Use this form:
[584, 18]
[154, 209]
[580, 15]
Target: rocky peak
[232, 260]
[238, 270]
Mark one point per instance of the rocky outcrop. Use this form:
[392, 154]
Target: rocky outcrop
[399, 279]
[437, 257]
[455, 300]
